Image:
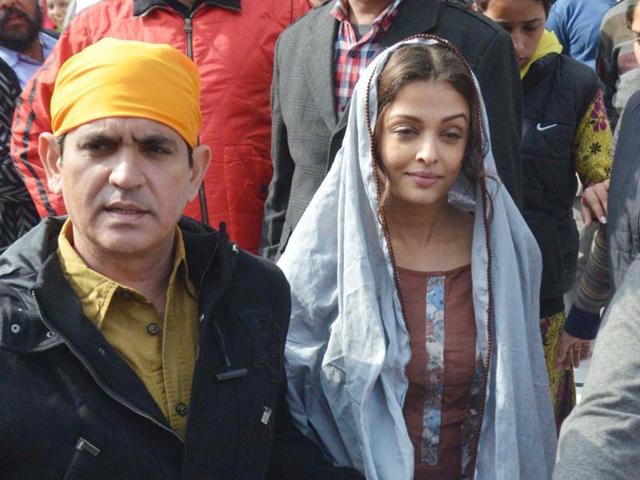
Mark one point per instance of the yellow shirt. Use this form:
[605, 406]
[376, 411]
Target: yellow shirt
[160, 351]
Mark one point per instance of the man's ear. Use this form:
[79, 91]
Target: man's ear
[49, 152]
[474, 6]
[201, 158]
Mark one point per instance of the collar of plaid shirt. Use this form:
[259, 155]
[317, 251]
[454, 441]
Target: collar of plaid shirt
[341, 8]
[351, 55]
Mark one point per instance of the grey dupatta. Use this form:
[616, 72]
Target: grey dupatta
[348, 346]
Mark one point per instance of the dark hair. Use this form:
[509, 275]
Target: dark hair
[63, 137]
[439, 63]
[484, 4]
[631, 8]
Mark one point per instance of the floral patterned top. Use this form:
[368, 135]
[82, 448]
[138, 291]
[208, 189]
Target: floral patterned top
[445, 374]
[593, 143]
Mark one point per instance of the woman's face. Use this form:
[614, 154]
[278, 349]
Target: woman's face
[422, 141]
[524, 20]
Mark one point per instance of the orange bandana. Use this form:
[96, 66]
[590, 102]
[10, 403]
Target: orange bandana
[124, 78]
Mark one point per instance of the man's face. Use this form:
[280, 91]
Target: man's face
[125, 183]
[20, 22]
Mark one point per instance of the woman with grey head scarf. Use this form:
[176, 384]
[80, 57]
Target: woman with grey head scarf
[414, 349]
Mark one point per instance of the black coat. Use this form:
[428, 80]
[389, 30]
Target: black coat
[307, 133]
[72, 408]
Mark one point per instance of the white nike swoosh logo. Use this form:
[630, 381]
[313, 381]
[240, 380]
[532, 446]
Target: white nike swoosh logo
[540, 128]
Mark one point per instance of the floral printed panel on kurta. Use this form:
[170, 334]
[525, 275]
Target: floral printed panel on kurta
[435, 369]
[442, 405]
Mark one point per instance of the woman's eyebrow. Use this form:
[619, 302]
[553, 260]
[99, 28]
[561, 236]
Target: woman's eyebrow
[454, 116]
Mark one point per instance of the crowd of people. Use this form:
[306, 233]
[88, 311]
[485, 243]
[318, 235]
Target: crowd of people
[306, 239]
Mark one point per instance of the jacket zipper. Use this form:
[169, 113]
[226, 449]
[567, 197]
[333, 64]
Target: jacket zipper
[122, 401]
[188, 28]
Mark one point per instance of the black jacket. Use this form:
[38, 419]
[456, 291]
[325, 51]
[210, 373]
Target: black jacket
[307, 133]
[72, 408]
[557, 92]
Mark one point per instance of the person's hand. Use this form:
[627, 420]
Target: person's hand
[593, 203]
[570, 351]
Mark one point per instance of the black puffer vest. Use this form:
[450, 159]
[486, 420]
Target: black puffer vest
[557, 92]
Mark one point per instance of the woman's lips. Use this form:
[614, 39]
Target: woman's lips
[424, 179]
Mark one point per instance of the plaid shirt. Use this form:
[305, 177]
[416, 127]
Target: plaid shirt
[352, 56]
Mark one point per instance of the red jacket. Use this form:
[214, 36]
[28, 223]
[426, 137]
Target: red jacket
[233, 47]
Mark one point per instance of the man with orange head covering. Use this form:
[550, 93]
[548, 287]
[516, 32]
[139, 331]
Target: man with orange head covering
[136, 343]
[232, 43]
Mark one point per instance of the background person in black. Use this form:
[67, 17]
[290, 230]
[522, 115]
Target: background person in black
[23, 48]
[565, 131]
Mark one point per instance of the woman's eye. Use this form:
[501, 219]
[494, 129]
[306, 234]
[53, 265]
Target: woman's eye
[452, 135]
[404, 131]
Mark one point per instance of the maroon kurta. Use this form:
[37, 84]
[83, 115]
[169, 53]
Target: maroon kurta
[440, 319]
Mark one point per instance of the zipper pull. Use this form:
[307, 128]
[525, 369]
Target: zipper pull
[266, 415]
[87, 446]
[231, 374]
[188, 28]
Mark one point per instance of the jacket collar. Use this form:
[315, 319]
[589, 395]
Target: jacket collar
[140, 7]
[47, 39]
[39, 309]
[31, 265]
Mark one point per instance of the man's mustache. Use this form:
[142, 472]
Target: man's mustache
[6, 12]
